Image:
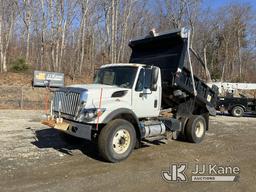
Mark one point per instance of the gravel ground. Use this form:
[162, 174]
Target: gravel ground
[34, 158]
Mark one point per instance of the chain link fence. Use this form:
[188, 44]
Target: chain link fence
[24, 97]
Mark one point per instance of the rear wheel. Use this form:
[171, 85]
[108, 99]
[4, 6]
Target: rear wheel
[237, 111]
[117, 140]
[195, 129]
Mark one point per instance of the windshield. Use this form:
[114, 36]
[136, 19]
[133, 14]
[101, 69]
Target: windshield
[119, 76]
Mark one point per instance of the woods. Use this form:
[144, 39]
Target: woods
[77, 36]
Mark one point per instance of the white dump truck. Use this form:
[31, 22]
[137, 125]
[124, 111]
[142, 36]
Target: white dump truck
[152, 95]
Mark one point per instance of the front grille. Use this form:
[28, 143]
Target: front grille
[66, 101]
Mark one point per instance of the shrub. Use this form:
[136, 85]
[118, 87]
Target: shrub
[215, 73]
[19, 65]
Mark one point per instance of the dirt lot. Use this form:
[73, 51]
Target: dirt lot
[34, 158]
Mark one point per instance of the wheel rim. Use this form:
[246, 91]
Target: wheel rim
[238, 112]
[121, 141]
[199, 131]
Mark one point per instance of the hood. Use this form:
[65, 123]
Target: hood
[93, 91]
[95, 86]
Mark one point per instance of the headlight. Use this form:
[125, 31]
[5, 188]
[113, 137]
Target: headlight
[90, 114]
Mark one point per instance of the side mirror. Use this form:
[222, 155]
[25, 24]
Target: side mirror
[95, 73]
[146, 91]
[154, 78]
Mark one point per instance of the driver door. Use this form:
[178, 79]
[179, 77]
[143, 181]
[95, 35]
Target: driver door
[145, 102]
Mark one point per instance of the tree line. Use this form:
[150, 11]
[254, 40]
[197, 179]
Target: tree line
[77, 36]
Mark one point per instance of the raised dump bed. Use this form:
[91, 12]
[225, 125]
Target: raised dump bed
[168, 52]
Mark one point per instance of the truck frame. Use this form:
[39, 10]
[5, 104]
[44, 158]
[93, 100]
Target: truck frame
[236, 106]
[152, 95]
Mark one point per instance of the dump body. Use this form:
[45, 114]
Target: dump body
[168, 52]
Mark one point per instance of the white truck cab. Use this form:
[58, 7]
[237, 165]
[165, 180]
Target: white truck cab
[131, 88]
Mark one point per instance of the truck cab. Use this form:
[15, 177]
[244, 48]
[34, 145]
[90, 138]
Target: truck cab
[137, 87]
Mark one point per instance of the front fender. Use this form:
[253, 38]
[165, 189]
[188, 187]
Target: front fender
[117, 109]
[110, 106]
[117, 112]
[128, 115]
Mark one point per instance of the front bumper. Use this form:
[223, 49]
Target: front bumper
[72, 128]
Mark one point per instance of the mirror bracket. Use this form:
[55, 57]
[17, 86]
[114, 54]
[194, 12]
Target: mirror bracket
[154, 79]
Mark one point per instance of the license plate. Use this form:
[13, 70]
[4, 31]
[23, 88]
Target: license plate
[61, 126]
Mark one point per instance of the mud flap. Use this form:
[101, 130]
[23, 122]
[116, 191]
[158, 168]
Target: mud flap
[212, 110]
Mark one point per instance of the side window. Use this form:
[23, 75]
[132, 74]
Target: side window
[140, 82]
[144, 80]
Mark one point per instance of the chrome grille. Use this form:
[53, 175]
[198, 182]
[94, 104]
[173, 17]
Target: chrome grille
[69, 102]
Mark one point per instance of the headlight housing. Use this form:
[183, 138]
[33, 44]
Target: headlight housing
[90, 114]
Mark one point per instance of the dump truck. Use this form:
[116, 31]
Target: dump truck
[153, 96]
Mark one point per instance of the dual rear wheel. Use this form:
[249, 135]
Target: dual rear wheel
[195, 129]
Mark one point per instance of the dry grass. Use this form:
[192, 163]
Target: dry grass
[25, 79]
[16, 91]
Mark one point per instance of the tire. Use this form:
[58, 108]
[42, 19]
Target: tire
[195, 129]
[237, 111]
[117, 140]
[70, 139]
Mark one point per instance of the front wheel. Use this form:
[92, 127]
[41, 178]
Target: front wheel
[117, 140]
[195, 129]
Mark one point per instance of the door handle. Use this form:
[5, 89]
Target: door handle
[155, 103]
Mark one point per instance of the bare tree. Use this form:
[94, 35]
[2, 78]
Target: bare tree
[7, 18]
[78, 36]
[3, 67]
[85, 8]
[25, 9]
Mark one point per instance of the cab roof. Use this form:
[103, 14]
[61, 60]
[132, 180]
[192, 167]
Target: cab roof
[122, 65]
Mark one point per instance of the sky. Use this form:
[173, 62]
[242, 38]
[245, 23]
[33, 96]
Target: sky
[212, 5]
[218, 3]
